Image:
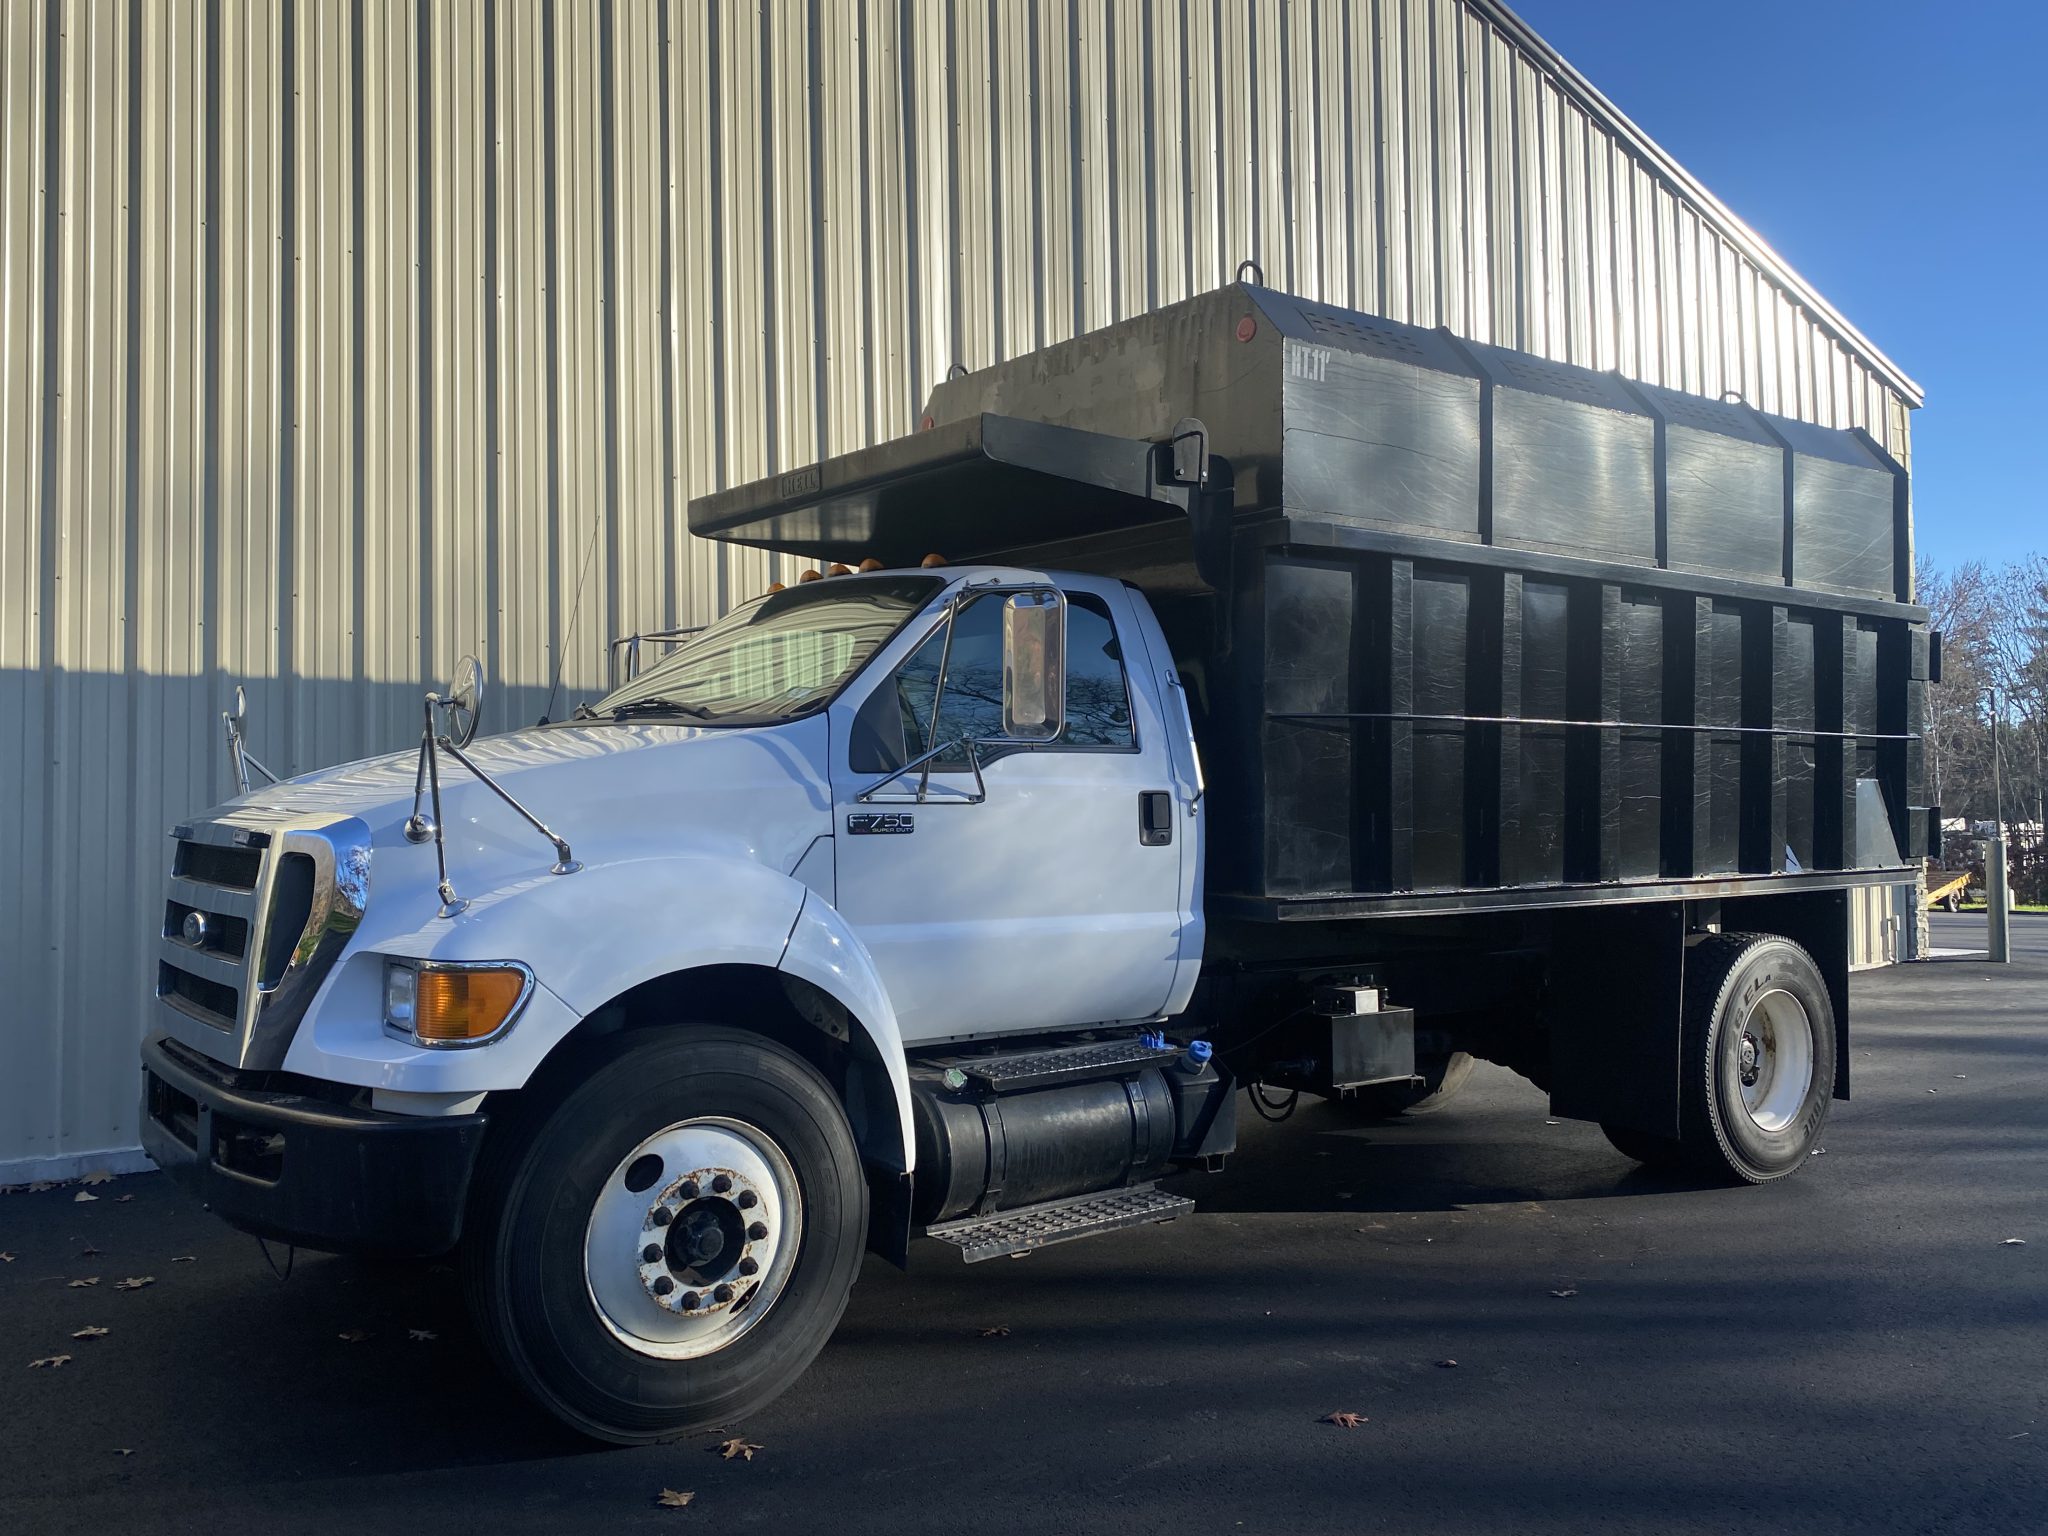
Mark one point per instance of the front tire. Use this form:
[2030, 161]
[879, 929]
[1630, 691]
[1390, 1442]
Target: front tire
[668, 1240]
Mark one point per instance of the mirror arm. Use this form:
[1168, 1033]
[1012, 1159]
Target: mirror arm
[923, 760]
[565, 860]
[240, 758]
[939, 691]
[418, 828]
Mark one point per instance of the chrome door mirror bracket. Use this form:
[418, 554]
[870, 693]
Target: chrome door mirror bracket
[240, 758]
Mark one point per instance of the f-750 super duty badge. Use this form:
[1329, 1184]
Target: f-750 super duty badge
[864, 823]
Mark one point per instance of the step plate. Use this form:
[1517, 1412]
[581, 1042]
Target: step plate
[1059, 1221]
[1007, 1074]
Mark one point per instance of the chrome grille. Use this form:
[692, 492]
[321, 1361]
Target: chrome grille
[276, 899]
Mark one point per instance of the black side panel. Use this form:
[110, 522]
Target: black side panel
[1308, 764]
[1379, 430]
[1616, 984]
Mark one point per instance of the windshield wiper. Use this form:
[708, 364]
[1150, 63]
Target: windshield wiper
[659, 706]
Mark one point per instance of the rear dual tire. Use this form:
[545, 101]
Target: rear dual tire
[1757, 1063]
[666, 1241]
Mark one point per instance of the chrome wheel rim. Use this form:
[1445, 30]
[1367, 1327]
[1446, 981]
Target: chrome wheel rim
[693, 1238]
[1774, 1060]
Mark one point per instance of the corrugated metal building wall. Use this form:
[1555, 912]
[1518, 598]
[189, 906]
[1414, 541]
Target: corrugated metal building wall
[339, 337]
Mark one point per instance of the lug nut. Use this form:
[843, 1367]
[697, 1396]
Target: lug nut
[689, 1191]
[747, 1200]
[650, 1253]
[692, 1301]
[748, 1266]
[663, 1216]
[722, 1294]
[663, 1285]
[720, 1184]
[758, 1231]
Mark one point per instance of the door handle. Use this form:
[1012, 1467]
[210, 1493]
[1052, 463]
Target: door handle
[1155, 817]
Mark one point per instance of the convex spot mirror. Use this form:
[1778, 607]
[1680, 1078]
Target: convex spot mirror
[465, 701]
[1034, 666]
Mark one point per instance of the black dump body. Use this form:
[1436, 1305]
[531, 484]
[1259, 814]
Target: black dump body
[1466, 629]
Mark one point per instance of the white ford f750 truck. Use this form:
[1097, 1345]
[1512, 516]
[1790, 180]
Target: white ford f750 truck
[1304, 703]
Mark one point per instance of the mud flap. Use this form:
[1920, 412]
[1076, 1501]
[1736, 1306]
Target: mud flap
[1617, 978]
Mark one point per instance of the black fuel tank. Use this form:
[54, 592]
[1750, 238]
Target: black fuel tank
[978, 1151]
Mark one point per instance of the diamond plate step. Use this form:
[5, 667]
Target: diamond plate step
[1066, 1063]
[1059, 1221]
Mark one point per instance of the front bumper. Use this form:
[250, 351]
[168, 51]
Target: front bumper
[268, 1155]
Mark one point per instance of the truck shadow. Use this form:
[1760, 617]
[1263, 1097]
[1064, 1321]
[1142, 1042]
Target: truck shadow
[1322, 1159]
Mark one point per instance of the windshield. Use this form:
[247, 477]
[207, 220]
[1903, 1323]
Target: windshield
[776, 657]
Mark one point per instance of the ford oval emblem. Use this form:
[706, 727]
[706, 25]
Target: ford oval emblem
[194, 928]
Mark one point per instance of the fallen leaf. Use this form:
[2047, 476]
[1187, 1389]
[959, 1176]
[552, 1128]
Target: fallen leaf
[670, 1498]
[1820, 1151]
[185, 1258]
[82, 1196]
[1343, 1420]
[743, 1449]
[98, 1176]
[88, 1253]
[1568, 1291]
[421, 1335]
[93, 1332]
[52, 1361]
[1446, 1365]
[122, 1199]
[79, 1285]
[134, 1282]
[40, 1185]
[997, 1332]
[122, 1450]
[2014, 1242]
[6, 1258]
[355, 1335]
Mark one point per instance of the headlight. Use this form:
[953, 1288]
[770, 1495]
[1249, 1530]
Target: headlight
[433, 1002]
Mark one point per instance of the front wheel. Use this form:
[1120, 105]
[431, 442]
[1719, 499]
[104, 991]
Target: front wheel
[667, 1242]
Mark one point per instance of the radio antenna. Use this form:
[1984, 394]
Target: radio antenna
[575, 607]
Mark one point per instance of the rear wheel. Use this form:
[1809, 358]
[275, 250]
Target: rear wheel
[1758, 1061]
[669, 1241]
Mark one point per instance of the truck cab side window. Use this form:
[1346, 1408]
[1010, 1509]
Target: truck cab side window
[895, 725]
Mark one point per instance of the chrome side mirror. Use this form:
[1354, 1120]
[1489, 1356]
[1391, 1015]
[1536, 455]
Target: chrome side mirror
[465, 701]
[1034, 665]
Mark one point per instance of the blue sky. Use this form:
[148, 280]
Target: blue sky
[1895, 153]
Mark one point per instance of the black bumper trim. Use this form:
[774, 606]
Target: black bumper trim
[308, 1171]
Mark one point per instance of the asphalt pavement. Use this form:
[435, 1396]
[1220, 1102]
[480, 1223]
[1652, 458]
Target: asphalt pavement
[1858, 1348]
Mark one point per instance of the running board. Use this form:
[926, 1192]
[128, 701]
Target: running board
[1007, 1233]
[1064, 1064]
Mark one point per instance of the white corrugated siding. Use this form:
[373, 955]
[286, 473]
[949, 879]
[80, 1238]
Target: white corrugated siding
[339, 338]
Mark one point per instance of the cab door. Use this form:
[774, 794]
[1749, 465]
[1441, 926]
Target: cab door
[1045, 897]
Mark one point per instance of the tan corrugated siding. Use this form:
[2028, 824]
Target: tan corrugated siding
[338, 339]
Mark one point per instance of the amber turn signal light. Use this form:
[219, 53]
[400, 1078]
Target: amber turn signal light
[451, 1004]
